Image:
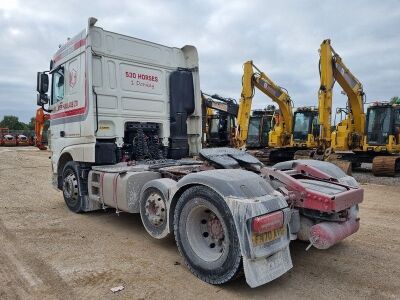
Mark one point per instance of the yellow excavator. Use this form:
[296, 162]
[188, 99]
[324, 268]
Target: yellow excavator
[219, 120]
[359, 138]
[291, 132]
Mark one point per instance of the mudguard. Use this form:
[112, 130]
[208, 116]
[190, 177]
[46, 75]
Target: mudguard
[247, 196]
[166, 186]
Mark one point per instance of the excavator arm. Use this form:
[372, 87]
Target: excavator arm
[261, 81]
[221, 104]
[325, 92]
[333, 69]
[41, 118]
[354, 90]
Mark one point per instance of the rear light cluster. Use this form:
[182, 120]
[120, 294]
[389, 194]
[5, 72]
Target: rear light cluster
[268, 222]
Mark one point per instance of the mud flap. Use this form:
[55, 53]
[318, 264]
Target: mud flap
[261, 264]
[263, 270]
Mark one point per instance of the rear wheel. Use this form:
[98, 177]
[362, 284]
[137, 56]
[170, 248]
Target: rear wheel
[70, 187]
[153, 211]
[206, 235]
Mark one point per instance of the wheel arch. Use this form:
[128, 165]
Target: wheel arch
[211, 180]
[62, 161]
[174, 199]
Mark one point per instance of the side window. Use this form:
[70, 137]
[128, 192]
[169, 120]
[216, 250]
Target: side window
[315, 127]
[397, 116]
[58, 86]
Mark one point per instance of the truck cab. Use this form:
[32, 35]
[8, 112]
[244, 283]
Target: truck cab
[109, 90]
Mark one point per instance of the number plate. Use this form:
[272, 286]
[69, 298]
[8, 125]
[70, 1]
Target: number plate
[263, 238]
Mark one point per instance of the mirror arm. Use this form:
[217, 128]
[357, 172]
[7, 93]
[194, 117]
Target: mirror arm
[46, 110]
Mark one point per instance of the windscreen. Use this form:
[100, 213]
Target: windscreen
[378, 127]
[254, 127]
[302, 124]
[214, 125]
[253, 135]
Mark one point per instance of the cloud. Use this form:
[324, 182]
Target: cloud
[282, 38]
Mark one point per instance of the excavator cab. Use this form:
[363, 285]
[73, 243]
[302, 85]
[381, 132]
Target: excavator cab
[260, 124]
[219, 119]
[220, 129]
[305, 124]
[383, 121]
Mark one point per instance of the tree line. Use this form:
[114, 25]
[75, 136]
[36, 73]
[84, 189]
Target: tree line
[13, 123]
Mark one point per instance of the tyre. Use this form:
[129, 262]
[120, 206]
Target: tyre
[206, 236]
[70, 187]
[153, 211]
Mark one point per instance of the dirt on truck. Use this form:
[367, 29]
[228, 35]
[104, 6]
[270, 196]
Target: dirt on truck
[126, 135]
[47, 252]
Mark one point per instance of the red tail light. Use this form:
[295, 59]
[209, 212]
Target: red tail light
[267, 222]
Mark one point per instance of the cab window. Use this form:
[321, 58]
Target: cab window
[58, 86]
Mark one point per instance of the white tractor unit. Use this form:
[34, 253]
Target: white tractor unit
[125, 133]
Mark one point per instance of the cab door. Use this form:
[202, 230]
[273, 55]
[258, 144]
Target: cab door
[57, 127]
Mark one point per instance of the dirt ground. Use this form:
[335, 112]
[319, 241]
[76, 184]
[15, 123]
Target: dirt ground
[49, 252]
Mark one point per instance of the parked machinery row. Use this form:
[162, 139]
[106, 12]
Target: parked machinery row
[8, 138]
[373, 137]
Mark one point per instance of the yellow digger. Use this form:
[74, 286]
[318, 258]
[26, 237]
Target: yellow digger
[291, 132]
[359, 138]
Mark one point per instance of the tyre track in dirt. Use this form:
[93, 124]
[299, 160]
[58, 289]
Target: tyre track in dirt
[48, 252]
[25, 274]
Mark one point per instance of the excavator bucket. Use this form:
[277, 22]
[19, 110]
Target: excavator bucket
[341, 163]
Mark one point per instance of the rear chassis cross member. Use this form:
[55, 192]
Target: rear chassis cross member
[341, 198]
[302, 196]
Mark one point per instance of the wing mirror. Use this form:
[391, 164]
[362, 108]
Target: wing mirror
[42, 86]
[42, 99]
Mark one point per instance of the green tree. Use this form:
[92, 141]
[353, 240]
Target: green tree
[13, 123]
[32, 123]
[395, 100]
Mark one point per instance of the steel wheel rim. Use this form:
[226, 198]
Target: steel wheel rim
[207, 233]
[155, 209]
[70, 187]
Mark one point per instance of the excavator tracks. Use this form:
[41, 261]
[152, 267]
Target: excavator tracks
[386, 165]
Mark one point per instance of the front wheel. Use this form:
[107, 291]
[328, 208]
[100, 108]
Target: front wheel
[206, 235]
[70, 187]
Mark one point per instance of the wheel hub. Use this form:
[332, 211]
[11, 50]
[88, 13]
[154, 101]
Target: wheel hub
[206, 234]
[155, 209]
[70, 186]
[215, 228]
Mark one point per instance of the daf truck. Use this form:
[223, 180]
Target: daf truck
[125, 134]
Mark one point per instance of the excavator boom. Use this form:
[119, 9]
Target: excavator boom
[333, 69]
[254, 78]
[325, 92]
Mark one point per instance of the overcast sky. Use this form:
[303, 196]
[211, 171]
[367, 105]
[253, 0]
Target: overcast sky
[281, 37]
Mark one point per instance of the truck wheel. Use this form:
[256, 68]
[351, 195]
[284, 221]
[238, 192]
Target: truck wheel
[206, 235]
[70, 187]
[153, 211]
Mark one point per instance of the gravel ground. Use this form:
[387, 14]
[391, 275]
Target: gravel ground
[364, 175]
[47, 252]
